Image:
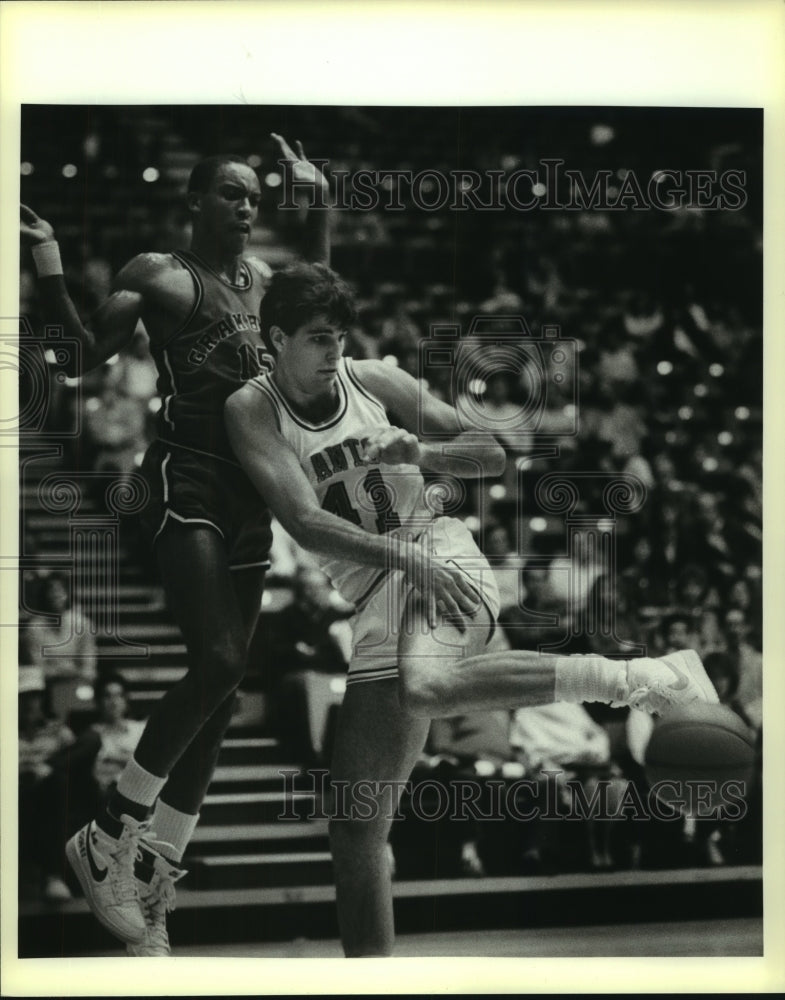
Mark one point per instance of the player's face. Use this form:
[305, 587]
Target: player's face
[227, 211]
[311, 355]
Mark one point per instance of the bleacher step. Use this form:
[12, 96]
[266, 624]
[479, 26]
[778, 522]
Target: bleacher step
[237, 750]
[260, 833]
[152, 674]
[256, 807]
[229, 871]
[257, 777]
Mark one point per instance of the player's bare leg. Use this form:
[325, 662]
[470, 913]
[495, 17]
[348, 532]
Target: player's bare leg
[376, 741]
[434, 682]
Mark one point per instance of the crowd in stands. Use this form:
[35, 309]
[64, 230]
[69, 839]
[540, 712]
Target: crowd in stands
[665, 384]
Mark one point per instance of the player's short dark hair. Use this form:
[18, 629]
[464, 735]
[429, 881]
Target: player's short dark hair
[300, 293]
[205, 170]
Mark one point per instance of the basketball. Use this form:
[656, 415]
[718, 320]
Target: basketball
[701, 757]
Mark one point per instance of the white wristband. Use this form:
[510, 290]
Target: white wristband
[46, 257]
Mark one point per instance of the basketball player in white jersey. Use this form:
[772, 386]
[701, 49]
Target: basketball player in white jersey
[315, 437]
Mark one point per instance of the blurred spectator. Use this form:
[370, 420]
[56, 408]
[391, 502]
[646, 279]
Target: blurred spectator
[398, 333]
[507, 565]
[715, 840]
[642, 585]
[472, 747]
[693, 592]
[749, 666]
[678, 632]
[564, 738]
[114, 428]
[542, 618]
[723, 673]
[502, 299]
[134, 375]
[745, 596]
[614, 418]
[711, 638]
[64, 648]
[43, 745]
[318, 623]
[113, 734]
[616, 364]
[643, 316]
[670, 539]
[610, 627]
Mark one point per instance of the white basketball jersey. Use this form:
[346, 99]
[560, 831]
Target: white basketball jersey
[381, 498]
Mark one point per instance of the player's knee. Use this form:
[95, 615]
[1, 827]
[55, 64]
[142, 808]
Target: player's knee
[356, 832]
[223, 668]
[420, 691]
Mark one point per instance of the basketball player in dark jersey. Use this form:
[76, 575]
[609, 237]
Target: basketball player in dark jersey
[211, 531]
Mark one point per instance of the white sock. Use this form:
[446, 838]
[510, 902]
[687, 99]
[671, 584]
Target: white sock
[590, 678]
[173, 829]
[139, 785]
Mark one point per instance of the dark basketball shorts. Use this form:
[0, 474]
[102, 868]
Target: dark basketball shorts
[188, 487]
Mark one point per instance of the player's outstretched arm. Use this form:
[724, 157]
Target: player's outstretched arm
[272, 467]
[431, 435]
[113, 323]
[316, 237]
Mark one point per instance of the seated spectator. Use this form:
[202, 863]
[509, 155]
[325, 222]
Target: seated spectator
[542, 617]
[639, 580]
[678, 632]
[113, 734]
[473, 747]
[82, 773]
[563, 737]
[610, 628]
[64, 649]
[722, 670]
[716, 841]
[114, 429]
[43, 744]
[693, 592]
[745, 596]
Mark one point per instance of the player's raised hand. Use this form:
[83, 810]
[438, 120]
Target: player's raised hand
[302, 168]
[32, 228]
[391, 445]
[446, 590]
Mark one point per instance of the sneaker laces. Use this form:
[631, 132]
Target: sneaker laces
[126, 854]
[159, 901]
[639, 698]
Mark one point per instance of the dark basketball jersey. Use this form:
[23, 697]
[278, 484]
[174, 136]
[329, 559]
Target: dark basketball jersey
[216, 350]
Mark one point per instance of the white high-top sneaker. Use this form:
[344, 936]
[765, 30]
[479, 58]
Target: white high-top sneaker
[670, 681]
